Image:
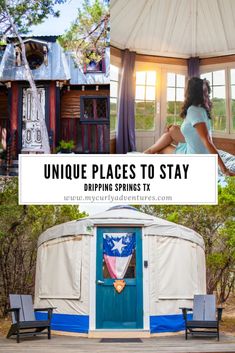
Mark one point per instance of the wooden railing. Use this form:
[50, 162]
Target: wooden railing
[88, 138]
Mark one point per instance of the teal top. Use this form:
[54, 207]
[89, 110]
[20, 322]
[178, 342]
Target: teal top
[193, 143]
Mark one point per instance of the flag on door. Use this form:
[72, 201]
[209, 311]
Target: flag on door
[118, 249]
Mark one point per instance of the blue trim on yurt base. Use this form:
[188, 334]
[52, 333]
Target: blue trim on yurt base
[80, 323]
[167, 323]
[66, 322]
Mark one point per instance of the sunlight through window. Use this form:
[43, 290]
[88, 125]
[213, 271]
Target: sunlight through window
[232, 78]
[217, 83]
[175, 97]
[145, 96]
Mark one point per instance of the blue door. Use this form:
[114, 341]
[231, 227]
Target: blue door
[119, 257]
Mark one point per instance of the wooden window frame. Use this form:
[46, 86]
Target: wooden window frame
[175, 87]
[101, 63]
[94, 121]
[111, 97]
[144, 100]
[145, 138]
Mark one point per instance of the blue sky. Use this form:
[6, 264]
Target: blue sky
[56, 26]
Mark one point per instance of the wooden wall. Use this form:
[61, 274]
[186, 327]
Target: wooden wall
[86, 137]
[218, 60]
[113, 145]
[70, 101]
[3, 104]
[225, 144]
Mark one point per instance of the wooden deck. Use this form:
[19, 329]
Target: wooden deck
[65, 344]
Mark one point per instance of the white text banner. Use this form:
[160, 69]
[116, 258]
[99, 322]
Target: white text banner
[125, 179]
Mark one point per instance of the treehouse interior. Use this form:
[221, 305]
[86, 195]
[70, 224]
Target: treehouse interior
[156, 45]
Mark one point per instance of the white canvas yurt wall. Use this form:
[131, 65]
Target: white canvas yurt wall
[66, 272]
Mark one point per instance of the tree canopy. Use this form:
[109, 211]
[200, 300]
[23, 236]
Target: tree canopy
[88, 35]
[25, 14]
[20, 227]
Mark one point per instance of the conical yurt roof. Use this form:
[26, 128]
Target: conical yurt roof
[122, 216]
[174, 28]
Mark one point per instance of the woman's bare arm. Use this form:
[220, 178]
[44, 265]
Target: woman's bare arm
[208, 143]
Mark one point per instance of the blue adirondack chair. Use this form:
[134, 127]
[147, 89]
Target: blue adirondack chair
[206, 316]
[24, 322]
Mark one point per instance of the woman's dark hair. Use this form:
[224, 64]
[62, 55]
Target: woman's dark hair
[194, 95]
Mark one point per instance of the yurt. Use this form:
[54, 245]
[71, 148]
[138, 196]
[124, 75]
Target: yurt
[156, 46]
[118, 271]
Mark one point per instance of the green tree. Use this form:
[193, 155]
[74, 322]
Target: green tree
[25, 14]
[88, 35]
[216, 224]
[20, 227]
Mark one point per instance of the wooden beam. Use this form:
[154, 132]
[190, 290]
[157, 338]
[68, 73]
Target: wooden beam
[175, 61]
[161, 59]
[151, 58]
[113, 145]
[225, 144]
[116, 52]
[217, 60]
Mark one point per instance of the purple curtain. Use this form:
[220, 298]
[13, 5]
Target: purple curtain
[193, 67]
[125, 141]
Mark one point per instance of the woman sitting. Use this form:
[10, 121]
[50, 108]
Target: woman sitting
[195, 134]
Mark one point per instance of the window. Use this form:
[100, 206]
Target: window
[64, 255]
[95, 66]
[218, 94]
[94, 109]
[114, 84]
[130, 272]
[36, 53]
[232, 78]
[145, 97]
[35, 60]
[175, 97]
[119, 245]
